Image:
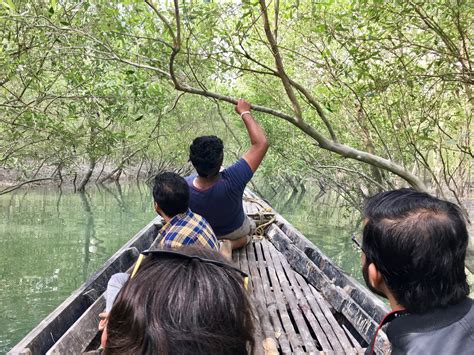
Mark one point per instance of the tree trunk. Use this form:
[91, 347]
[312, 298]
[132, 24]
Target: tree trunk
[87, 177]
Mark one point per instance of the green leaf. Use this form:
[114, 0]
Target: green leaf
[10, 5]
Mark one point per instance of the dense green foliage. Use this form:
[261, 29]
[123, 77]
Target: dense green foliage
[387, 84]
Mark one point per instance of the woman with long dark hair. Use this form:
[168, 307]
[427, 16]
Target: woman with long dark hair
[188, 301]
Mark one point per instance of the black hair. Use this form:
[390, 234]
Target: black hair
[418, 243]
[182, 306]
[206, 154]
[171, 193]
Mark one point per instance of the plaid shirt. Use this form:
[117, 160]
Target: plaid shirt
[187, 229]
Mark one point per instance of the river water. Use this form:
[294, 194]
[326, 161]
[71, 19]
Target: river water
[52, 241]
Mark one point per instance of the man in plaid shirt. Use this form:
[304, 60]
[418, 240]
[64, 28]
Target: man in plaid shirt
[187, 228]
[182, 226]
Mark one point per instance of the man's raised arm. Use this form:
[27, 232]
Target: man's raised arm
[257, 151]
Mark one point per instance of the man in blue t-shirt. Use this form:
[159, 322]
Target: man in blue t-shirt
[217, 195]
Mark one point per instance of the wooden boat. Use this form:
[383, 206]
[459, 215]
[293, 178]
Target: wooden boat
[304, 303]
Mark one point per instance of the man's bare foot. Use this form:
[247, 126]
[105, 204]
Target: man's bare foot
[241, 242]
[226, 249]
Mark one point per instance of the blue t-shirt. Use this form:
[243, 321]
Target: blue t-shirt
[221, 204]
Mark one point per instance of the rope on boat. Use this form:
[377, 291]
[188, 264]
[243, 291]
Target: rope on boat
[262, 213]
[257, 201]
[260, 231]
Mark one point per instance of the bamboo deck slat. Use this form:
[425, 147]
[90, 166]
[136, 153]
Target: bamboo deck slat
[319, 314]
[291, 311]
[263, 293]
[352, 339]
[312, 319]
[263, 330]
[289, 294]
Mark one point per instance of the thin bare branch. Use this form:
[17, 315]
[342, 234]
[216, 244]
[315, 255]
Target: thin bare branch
[279, 62]
[164, 20]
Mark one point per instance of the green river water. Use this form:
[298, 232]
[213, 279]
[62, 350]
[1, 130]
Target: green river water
[51, 242]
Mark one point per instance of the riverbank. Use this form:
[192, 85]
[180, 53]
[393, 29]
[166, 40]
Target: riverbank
[49, 176]
[12, 179]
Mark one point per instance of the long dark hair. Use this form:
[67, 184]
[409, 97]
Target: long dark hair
[418, 243]
[182, 306]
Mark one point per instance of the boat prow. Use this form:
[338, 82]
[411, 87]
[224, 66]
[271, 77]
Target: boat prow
[304, 302]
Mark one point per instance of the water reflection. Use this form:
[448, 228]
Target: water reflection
[89, 231]
[52, 241]
[116, 192]
[324, 218]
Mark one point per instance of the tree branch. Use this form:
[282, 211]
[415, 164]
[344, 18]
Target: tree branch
[296, 120]
[13, 188]
[279, 62]
[164, 20]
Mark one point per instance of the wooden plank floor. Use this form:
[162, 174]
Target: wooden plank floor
[293, 316]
